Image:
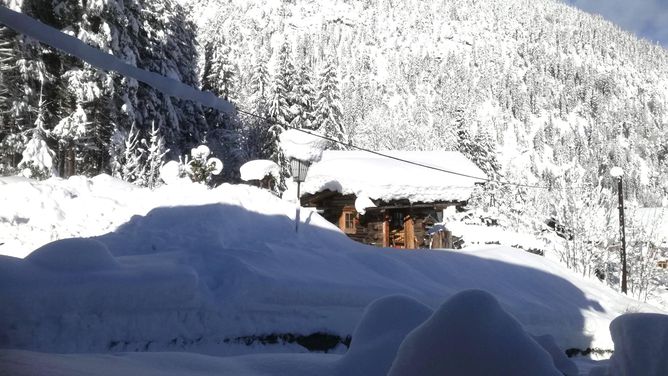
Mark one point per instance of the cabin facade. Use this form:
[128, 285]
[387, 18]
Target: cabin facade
[398, 223]
[389, 203]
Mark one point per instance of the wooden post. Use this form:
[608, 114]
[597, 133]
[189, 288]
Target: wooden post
[409, 232]
[386, 232]
[299, 204]
[622, 232]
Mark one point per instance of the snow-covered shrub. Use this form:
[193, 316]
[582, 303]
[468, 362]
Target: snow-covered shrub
[384, 325]
[140, 160]
[640, 346]
[37, 162]
[199, 169]
[470, 334]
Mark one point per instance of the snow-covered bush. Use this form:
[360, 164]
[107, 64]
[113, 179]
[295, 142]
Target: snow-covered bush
[140, 160]
[37, 162]
[199, 169]
[470, 334]
[384, 325]
[640, 346]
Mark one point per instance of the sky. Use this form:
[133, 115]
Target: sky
[646, 18]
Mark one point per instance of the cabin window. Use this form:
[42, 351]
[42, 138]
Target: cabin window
[347, 221]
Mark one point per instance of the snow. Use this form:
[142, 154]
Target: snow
[381, 178]
[302, 145]
[471, 322]
[186, 268]
[640, 345]
[561, 362]
[38, 153]
[383, 327]
[616, 172]
[258, 169]
[74, 255]
[170, 172]
[200, 152]
[25, 25]
[363, 202]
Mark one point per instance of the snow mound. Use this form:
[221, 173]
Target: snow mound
[258, 169]
[470, 334]
[641, 345]
[561, 361]
[363, 202]
[384, 325]
[74, 255]
[170, 172]
[303, 146]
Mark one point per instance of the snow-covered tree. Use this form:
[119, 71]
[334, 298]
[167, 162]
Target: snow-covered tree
[221, 74]
[280, 100]
[303, 100]
[328, 118]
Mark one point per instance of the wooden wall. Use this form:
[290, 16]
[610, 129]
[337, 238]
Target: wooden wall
[376, 226]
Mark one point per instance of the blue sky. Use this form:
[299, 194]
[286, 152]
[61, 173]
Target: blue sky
[645, 18]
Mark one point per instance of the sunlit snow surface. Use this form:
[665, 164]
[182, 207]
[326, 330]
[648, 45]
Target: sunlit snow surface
[441, 175]
[187, 268]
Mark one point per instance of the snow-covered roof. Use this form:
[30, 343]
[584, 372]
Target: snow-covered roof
[382, 178]
[258, 169]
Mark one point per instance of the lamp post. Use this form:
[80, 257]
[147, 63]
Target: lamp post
[299, 169]
[617, 173]
[303, 148]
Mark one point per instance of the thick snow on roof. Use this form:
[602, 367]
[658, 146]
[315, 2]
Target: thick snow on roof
[304, 146]
[381, 178]
[258, 169]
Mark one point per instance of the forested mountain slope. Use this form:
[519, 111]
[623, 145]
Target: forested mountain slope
[563, 95]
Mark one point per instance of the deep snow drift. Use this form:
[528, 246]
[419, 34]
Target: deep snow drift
[227, 266]
[485, 349]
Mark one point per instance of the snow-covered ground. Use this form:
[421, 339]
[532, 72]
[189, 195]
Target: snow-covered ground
[185, 268]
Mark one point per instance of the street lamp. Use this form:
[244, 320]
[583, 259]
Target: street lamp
[299, 169]
[618, 173]
[303, 148]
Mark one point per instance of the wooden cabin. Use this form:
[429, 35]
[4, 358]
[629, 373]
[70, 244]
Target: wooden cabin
[398, 224]
[408, 200]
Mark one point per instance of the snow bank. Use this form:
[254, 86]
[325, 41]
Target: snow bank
[383, 327]
[641, 345]
[195, 267]
[470, 334]
[258, 169]
[559, 359]
[74, 255]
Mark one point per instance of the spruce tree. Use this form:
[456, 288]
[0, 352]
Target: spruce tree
[328, 118]
[303, 99]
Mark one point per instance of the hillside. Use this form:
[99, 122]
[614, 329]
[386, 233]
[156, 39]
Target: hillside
[554, 88]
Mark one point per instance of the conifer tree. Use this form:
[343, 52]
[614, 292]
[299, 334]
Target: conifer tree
[303, 99]
[328, 119]
[280, 103]
[221, 73]
[259, 86]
